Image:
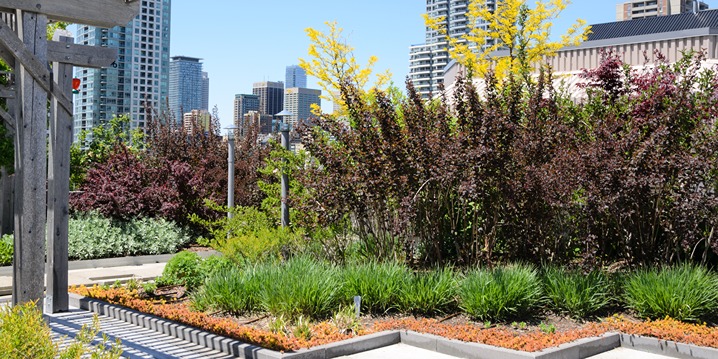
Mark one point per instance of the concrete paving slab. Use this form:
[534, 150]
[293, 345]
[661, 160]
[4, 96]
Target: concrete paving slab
[625, 353]
[399, 351]
[106, 275]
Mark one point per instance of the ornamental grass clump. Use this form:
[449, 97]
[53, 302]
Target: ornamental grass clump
[501, 293]
[300, 287]
[232, 289]
[685, 292]
[429, 293]
[378, 284]
[574, 293]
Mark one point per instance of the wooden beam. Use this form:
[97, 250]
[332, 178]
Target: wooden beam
[8, 120]
[103, 13]
[81, 55]
[58, 197]
[30, 168]
[32, 65]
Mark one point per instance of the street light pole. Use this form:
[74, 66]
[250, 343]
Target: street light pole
[230, 170]
[284, 130]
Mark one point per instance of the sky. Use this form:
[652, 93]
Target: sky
[243, 41]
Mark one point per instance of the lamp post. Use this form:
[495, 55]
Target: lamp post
[284, 130]
[230, 170]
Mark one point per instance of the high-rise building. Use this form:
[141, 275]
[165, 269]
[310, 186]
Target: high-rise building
[271, 97]
[639, 9]
[244, 103]
[428, 60]
[263, 123]
[205, 91]
[196, 119]
[186, 86]
[299, 102]
[139, 76]
[295, 77]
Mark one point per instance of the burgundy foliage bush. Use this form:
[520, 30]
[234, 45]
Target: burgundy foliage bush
[520, 172]
[173, 175]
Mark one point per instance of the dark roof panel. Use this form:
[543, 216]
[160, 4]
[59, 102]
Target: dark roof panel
[654, 25]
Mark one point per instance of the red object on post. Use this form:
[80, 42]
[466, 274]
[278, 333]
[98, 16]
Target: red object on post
[76, 85]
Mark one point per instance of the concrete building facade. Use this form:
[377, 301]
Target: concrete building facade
[271, 96]
[299, 102]
[639, 9]
[186, 89]
[197, 118]
[254, 118]
[139, 77]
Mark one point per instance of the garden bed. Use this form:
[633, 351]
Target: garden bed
[325, 332]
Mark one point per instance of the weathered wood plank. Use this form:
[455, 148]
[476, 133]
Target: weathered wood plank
[81, 55]
[6, 195]
[31, 63]
[103, 13]
[58, 208]
[30, 168]
[7, 120]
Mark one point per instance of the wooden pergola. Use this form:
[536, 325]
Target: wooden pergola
[42, 172]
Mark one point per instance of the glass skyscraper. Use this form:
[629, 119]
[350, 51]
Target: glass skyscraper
[186, 86]
[139, 77]
[295, 77]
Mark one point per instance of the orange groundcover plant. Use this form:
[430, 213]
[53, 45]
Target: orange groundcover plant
[326, 332]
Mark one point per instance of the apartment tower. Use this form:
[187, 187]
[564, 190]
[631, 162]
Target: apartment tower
[639, 9]
[139, 77]
[428, 60]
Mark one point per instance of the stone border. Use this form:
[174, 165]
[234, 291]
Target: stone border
[581, 348]
[231, 346]
[668, 348]
[578, 349]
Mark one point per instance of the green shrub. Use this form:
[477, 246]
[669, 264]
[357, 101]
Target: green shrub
[24, 334]
[501, 293]
[300, 287]
[93, 236]
[685, 292]
[576, 294]
[379, 285]
[249, 235]
[232, 290]
[6, 250]
[429, 293]
[183, 269]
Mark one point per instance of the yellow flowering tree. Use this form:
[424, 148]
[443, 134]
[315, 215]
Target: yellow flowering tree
[331, 61]
[513, 39]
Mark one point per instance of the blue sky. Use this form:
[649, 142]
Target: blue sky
[243, 41]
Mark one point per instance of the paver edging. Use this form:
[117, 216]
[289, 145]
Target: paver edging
[667, 347]
[229, 345]
[578, 349]
[581, 348]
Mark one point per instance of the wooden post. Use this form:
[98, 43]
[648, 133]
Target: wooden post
[58, 184]
[30, 167]
[6, 221]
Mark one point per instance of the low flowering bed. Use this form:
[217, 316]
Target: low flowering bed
[326, 332]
